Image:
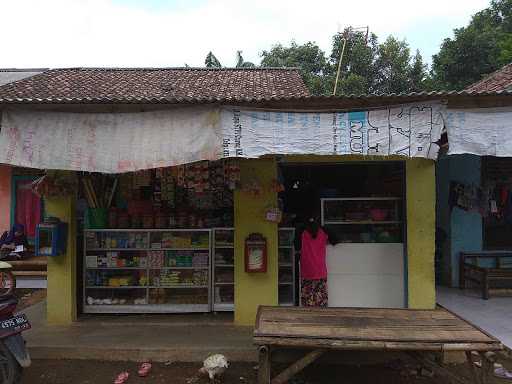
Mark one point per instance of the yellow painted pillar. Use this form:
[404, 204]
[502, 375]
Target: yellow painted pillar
[421, 221]
[254, 289]
[61, 291]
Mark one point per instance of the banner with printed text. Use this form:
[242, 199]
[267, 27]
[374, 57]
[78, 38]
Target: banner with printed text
[410, 130]
[125, 142]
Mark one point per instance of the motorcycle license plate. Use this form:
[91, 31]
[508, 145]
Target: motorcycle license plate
[16, 324]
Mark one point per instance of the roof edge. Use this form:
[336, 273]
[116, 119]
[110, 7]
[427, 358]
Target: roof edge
[174, 68]
[204, 100]
[23, 69]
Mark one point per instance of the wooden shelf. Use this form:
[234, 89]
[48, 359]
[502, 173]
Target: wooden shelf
[119, 287]
[187, 268]
[115, 249]
[117, 268]
[362, 222]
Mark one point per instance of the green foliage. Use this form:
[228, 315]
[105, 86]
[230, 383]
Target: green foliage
[309, 58]
[393, 65]
[418, 77]
[476, 50]
[211, 61]
[367, 66]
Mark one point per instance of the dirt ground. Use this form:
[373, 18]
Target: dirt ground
[28, 297]
[100, 372]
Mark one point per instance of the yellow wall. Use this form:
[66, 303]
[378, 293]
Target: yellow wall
[61, 292]
[254, 289]
[421, 221]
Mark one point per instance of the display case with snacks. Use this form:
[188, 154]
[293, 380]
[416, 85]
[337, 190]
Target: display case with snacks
[147, 271]
[364, 219]
[223, 269]
[286, 262]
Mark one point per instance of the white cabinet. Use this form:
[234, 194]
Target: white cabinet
[366, 268]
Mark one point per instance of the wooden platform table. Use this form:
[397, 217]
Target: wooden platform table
[318, 331]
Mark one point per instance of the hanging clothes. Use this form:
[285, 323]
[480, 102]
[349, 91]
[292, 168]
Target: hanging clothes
[28, 207]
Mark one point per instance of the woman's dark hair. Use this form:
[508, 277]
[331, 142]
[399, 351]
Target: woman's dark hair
[312, 227]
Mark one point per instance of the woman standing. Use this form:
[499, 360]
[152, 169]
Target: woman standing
[313, 269]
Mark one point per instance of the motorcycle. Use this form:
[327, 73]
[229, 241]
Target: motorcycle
[13, 352]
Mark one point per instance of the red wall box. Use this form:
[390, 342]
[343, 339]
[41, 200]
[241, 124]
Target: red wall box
[255, 253]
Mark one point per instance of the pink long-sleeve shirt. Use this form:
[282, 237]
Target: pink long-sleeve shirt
[312, 258]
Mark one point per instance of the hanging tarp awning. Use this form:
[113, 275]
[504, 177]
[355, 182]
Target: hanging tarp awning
[410, 130]
[480, 131]
[123, 142]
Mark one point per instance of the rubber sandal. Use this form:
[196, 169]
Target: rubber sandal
[144, 369]
[503, 373]
[122, 378]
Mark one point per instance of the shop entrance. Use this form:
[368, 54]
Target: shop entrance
[362, 205]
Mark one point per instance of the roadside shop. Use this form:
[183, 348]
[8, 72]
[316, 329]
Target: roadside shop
[176, 239]
[178, 206]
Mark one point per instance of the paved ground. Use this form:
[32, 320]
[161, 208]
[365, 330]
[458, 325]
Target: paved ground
[493, 315]
[137, 338]
[100, 372]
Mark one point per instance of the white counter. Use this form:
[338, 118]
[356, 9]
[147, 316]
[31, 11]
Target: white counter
[366, 275]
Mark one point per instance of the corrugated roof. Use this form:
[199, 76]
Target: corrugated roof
[499, 80]
[154, 85]
[267, 87]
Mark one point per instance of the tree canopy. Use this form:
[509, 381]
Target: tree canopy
[368, 66]
[371, 66]
[478, 49]
[308, 57]
[211, 61]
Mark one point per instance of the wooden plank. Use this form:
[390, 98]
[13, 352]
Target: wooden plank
[265, 365]
[367, 324]
[374, 333]
[437, 368]
[472, 369]
[298, 366]
[371, 345]
[30, 273]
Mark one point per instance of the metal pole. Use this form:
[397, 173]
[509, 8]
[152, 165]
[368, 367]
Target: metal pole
[339, 66]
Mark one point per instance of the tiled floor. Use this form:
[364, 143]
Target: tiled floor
[493, 316]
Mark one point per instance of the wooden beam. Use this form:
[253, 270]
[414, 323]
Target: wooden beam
[370, 345]
[298, 366]
[437, 368]
[265, 365]
[472, 369]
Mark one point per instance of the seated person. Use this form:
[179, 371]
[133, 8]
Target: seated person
[10, 240]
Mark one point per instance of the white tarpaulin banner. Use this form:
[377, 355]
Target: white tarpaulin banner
[109, 142]
[123, 142]
[410, 130]
[483, 131]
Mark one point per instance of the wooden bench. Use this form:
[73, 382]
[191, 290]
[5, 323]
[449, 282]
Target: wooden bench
[498, 269]
[321, 330]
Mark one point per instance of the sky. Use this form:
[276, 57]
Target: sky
[170, 33]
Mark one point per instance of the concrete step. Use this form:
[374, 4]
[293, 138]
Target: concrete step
[178, 353]
[155, 338]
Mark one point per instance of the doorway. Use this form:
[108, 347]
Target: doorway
[362, 205]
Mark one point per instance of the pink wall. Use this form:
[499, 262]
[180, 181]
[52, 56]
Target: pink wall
[5, 197]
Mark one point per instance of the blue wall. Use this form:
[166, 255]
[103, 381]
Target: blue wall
[464, 229]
